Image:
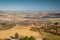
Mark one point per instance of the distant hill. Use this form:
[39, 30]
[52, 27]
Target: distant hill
[49, 15]
[32, 14]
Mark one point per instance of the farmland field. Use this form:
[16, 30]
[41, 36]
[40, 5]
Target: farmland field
[22, 23]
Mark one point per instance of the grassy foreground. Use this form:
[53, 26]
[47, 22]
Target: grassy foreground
[50, 36]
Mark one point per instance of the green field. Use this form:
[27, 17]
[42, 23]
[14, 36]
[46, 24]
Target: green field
[51, 36]
[55, 21]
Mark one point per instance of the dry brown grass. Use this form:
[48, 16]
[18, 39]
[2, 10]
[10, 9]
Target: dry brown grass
[24, 31]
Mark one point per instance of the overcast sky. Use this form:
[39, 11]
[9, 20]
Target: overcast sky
[29, 4]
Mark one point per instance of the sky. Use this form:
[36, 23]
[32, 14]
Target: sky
[29, 4]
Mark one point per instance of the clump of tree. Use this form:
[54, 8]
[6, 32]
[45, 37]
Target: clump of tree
[6, 25]
[39, 30]
[54, 29]
[16, 36]
[28, 38]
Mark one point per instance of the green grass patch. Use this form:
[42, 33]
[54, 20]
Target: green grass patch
[51, 36]
[55, 21]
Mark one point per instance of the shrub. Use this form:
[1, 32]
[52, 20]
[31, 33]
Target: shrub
[28, 38]
[16, 36]
[31, 38]
[25, 38]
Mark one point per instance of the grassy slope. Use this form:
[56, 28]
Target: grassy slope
[52, 37]
[24, 31]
